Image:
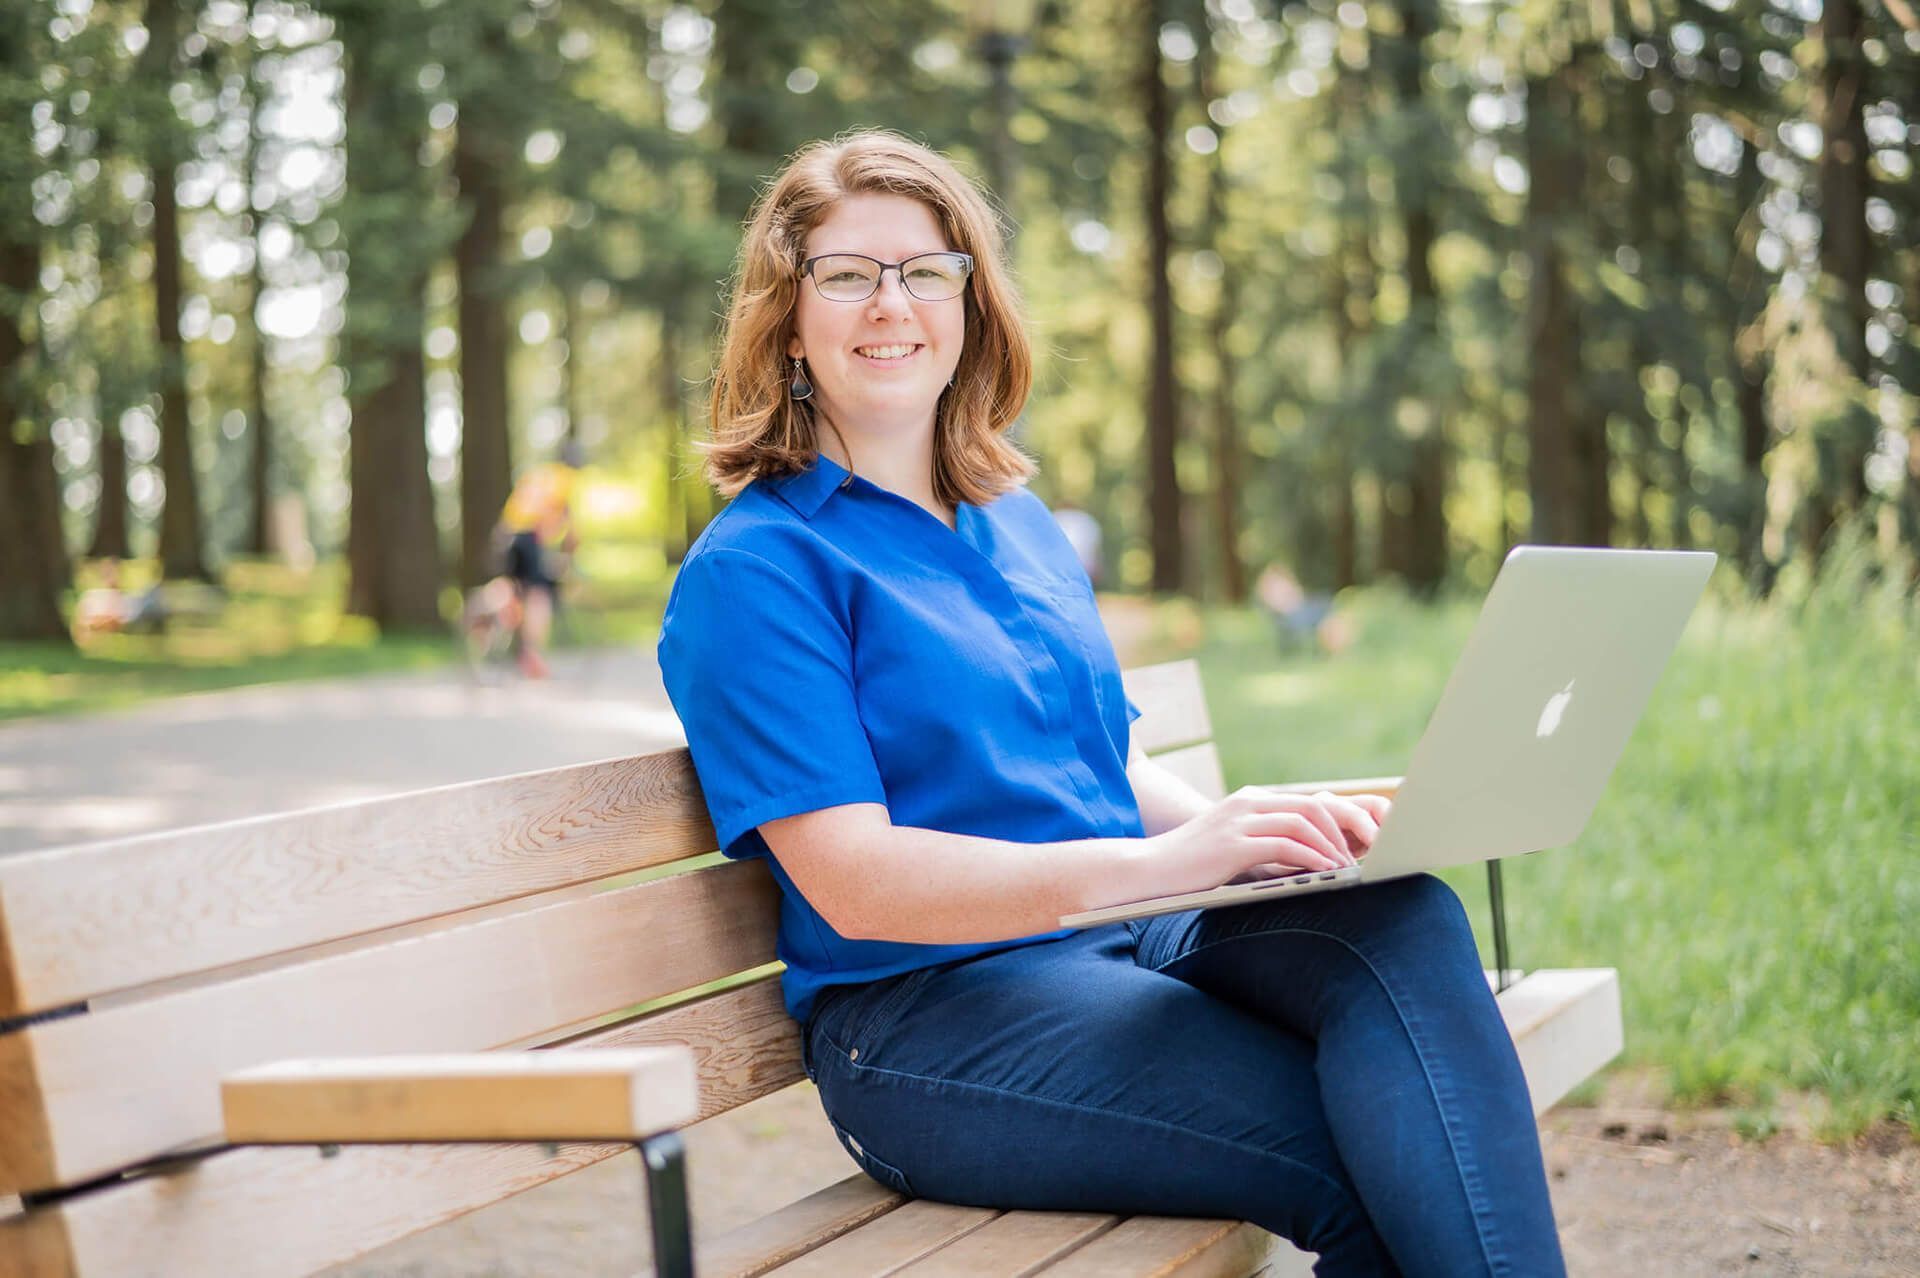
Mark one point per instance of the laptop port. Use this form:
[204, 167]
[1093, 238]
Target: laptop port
[1325, 877]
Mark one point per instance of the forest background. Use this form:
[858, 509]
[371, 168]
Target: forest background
[1373, 291]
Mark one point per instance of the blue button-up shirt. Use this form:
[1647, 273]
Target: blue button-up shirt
[830, 642]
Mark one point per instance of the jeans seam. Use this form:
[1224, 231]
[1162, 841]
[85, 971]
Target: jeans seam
[1474, 1200]
[1159, 1123]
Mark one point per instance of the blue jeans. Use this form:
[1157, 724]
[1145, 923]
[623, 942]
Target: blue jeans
[1332, 1068]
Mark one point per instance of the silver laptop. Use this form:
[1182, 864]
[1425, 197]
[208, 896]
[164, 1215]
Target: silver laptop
[1559, 667]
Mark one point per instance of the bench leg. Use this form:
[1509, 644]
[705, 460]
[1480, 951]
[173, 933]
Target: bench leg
[664, 1158]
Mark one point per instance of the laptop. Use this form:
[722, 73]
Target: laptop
[1568, 647]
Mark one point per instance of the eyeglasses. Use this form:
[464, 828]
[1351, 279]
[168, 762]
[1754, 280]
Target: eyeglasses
[854, 277]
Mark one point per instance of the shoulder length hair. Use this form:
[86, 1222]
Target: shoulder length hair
[759, 429]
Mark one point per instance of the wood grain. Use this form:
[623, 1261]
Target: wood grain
[890, 1242]
[1156, 1247]
[35, 1246]
[608, 1094]
[134, 1082]
[1173, 708]
[1019, 1242]
[286, 1211]
[80, 921]
[795, 1229]
[743, 1042]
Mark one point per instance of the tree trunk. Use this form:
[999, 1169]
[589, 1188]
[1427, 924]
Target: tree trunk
[181, 550]
[110, 511]
[1844, 256]
[1163, 429]
[1227, 452]
[260, 467]
[1426, 565]
[1354, 287]
[393, 550]
[1748, 358]
[755, 45]
[1553, 358]
[33, 573]
[486, 464]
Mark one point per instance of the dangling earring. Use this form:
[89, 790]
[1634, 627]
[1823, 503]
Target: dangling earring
[800, 388]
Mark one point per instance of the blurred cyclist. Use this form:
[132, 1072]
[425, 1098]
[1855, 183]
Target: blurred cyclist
[537, 524]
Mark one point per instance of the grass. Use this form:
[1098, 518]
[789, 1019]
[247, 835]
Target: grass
[1754, 869]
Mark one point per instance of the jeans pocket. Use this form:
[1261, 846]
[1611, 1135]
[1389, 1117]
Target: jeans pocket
[878, 1168]
[870, 1022]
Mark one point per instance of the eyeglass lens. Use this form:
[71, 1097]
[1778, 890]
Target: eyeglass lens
[931, 277]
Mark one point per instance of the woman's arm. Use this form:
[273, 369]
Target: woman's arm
[871, 879]
[1165, 800]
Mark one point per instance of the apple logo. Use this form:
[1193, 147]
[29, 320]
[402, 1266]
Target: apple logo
[1555, 707]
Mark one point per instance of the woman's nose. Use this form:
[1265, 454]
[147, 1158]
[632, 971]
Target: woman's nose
[891, 298]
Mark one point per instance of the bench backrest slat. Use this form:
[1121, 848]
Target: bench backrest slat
[1173, 709]
[88, 1094]
[1198, 766]
[82, 921]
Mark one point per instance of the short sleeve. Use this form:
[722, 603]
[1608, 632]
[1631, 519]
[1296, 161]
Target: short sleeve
[760, 671]
[1133, 712]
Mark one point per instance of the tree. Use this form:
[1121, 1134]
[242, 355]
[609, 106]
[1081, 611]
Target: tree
[182, 553]
[1163, 411]
[393, 551]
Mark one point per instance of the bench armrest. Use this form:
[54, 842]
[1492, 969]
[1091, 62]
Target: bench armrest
[1385, 787]
[578, 1094]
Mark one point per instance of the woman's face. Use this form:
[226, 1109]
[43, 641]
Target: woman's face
[879, 364]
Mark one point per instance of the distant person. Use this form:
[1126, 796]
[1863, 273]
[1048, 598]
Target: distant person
[537, 526]
[108, 609]
[1083, 532]
[1297, 615]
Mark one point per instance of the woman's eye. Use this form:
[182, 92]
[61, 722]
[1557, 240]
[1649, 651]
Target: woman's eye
[846, 277]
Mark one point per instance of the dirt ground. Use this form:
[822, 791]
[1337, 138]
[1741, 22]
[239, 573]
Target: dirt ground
[1638, 1191]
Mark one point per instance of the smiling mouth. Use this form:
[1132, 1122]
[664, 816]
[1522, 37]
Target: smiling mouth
[889, 353]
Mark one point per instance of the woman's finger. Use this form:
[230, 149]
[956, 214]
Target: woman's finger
[1277, 829]
[1315, 812]
[1353, 818]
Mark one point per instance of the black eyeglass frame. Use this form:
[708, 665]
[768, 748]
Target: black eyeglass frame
[900, 268]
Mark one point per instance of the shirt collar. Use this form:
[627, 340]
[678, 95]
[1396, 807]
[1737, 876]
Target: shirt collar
[808, 490]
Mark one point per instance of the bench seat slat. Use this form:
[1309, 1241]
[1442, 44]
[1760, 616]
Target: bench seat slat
[889, 1243]
[133, 1082]
[1017, 1242]
[797, 1228]
[1159, 1247]
[82, 921]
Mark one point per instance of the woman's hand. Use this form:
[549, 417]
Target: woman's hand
[1258, 833]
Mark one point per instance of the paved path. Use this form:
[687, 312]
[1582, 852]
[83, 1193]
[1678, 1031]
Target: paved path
[222, 755]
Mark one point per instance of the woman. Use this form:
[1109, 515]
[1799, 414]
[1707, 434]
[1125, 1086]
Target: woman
[897, 690]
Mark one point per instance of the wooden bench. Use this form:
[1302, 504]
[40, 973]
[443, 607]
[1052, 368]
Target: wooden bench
[580, 909]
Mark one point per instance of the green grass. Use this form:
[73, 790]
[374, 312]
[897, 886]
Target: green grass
[1754, 869]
